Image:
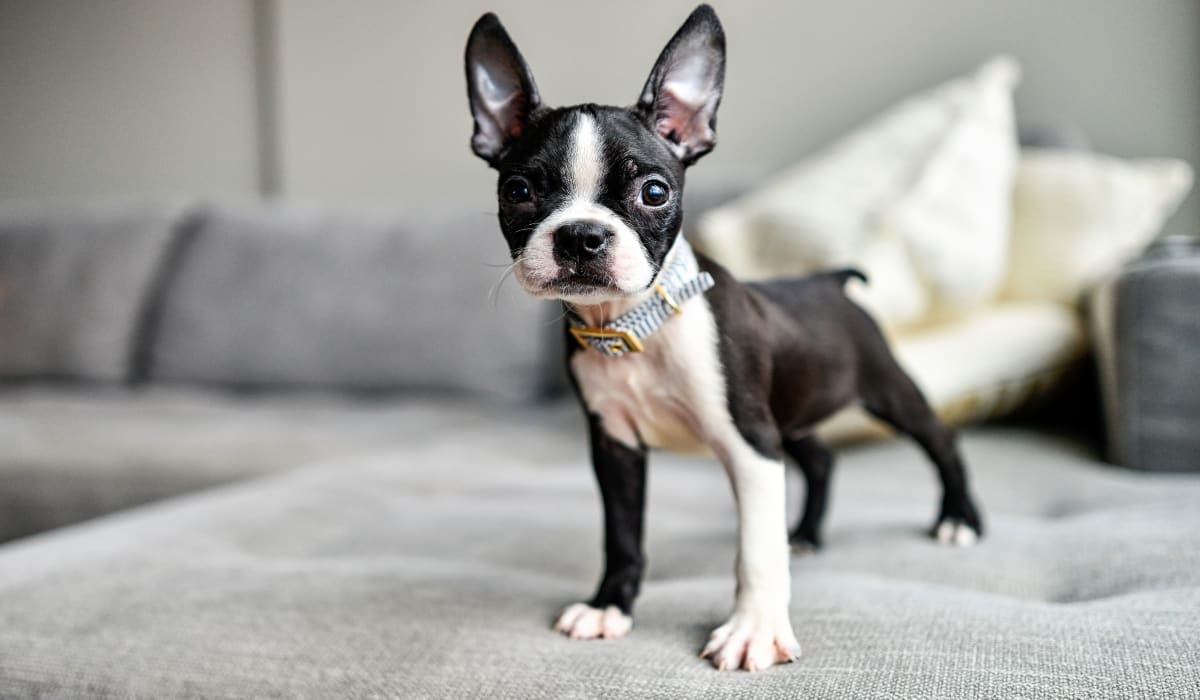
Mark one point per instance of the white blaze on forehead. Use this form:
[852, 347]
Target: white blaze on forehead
[583, 174]
[586, 167]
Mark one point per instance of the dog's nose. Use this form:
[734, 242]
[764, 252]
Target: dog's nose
[581, 240]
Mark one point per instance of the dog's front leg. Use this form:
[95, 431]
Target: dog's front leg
[759, 632]
[621, 475]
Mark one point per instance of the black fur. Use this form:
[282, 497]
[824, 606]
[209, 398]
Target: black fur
[534, 141]
[627, 144]
[621, 475]
[816, 463]
[701, 32]
[490, 48]
[812, 351]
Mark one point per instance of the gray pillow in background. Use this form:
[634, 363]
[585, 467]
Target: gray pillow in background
[290, 296]
[73, 283]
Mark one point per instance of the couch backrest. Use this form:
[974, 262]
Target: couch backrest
[270, 296]
[74, 284]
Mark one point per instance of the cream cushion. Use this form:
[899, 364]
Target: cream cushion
[919, 198]
[1079, 216]
[982, 365]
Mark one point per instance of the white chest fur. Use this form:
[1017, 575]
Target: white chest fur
[671, 396]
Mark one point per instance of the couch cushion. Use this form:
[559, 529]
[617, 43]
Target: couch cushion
[919, 198]
[985, 365]
[1077, 217]
[435, 571]
[369, 299]
[73, 284]
[67, 456]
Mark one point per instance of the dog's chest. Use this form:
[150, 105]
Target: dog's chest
[671, 396]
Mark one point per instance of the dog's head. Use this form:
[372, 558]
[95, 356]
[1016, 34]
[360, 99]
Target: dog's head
[590, 195]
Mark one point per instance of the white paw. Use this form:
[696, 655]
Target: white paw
[955, 533]
[752, 640]
[582, 621]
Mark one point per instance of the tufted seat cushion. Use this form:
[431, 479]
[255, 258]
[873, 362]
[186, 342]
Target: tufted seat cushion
[435, 570]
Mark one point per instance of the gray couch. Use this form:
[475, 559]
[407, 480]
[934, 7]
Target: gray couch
[253, 452]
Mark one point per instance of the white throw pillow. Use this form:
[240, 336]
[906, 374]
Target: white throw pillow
[1079, 216]
[983, 365]
[919, 198]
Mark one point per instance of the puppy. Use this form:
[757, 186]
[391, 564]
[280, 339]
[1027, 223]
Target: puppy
[666, 349]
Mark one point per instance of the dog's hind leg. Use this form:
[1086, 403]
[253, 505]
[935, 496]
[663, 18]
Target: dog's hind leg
[889, 394]
[816, 463]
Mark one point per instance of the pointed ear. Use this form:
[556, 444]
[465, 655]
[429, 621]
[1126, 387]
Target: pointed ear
[500, 88]
[681, 96]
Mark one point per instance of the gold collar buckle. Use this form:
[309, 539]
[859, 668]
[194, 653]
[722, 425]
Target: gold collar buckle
[666, 296]
[624, 341]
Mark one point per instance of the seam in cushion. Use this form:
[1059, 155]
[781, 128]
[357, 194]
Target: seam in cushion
[184, 232]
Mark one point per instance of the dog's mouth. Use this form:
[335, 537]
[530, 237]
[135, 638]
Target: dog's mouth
[585, 283]
[581, 283]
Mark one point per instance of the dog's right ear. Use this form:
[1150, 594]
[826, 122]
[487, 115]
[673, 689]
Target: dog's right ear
[500, 88]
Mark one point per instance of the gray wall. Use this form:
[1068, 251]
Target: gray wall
[126, 96]
[368, 99]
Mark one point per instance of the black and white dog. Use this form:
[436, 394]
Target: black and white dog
[666, 350]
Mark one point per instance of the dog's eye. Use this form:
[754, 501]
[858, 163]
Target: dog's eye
[655, 193]
[516, 190]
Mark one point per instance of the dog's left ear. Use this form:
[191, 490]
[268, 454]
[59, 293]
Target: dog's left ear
[681, 96]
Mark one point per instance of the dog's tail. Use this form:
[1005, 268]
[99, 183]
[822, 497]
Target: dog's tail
[844, 275]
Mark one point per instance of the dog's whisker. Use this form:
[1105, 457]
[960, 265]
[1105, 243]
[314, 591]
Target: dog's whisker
[558, 319]
[494, 292]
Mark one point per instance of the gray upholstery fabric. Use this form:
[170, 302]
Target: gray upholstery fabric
[73, 283]
[1061, 136]
[434, 571]
[1146, 326]
[296, 296]
[69, 455]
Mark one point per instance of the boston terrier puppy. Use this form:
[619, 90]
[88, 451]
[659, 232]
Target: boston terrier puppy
[665, 348]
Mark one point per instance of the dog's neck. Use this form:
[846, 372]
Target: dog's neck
[599, 314]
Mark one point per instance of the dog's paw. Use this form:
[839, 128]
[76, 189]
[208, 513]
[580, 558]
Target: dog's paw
[752, 641]
[804, 543]
[582, 621]
[955, 532]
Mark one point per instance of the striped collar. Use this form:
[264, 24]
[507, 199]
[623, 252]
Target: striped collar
[681, 280]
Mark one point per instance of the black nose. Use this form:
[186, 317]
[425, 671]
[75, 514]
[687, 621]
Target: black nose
[581, 240]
